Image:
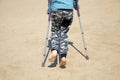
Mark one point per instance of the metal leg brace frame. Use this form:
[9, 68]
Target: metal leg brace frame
[85, 56]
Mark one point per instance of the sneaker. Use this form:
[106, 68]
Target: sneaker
[53, 56]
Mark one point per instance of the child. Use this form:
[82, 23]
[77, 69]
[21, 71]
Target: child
[62, 16]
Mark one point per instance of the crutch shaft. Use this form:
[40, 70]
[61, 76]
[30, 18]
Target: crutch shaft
[82, 33]
[46, 39]
[45, 58]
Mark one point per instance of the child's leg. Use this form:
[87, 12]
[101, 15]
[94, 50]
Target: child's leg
[55, 31]
[67, 20]
[63, 45]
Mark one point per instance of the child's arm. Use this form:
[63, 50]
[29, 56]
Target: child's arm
[49, 6]
[48, 10]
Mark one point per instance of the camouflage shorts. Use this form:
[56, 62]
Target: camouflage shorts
[61, 20]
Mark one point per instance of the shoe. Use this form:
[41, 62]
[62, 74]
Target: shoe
[53, 56]
[63, 61]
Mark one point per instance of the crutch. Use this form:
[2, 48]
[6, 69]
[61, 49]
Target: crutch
[46, 40]
[82, 33]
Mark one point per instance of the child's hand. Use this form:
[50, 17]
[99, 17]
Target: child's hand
[77, 7]
[47, 12]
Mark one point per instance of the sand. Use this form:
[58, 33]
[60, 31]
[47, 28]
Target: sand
[23, 26]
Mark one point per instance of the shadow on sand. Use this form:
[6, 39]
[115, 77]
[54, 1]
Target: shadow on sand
[55, 64]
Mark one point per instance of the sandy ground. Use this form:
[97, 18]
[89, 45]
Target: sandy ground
[22, 35]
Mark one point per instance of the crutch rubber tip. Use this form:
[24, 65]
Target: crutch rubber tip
[85, 48]
[87, 57]
[43, 65]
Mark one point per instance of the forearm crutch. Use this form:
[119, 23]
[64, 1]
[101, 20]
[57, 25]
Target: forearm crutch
[46, 40]
[82, 33]
[45, 45]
